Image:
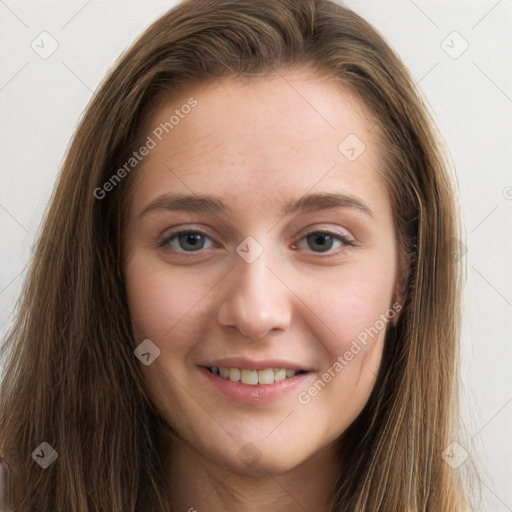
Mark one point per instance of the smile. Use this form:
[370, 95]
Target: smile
[254, 387]
[254, 377]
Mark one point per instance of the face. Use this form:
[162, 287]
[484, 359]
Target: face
[260, 237]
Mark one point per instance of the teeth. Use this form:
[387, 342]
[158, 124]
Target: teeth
[249, 377]
[253, 377]
[266, 376]
[279, 374]
[234, 374]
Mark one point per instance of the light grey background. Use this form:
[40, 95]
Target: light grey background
[469, 94]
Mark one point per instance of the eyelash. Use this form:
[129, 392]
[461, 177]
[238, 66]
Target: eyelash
[164, 242]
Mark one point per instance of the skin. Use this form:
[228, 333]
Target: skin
[257, 144]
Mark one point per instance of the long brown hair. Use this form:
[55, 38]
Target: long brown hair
[71, 379]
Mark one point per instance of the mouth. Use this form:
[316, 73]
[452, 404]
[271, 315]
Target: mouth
[254, 383]
[253, 377]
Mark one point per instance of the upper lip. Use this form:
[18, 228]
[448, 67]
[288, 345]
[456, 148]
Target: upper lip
[252, 364]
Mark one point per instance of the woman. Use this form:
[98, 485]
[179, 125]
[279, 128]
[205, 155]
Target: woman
[244, 292]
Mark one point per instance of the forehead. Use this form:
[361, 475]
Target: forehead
[261, 139]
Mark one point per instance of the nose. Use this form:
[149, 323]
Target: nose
[255, 301]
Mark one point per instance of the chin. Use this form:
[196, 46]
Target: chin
[257, 459]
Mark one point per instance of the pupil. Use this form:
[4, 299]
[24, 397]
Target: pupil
[318, 238]
[192, 239]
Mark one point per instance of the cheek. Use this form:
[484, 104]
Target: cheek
[167, 308]
[357, 308]
[162, 302]
[355, 300]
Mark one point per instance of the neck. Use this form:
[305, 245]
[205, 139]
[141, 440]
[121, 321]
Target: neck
[197, 484]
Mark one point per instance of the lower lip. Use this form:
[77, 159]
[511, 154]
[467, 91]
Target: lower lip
[255, 394]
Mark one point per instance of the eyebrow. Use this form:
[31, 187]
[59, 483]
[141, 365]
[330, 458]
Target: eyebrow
[215, 205]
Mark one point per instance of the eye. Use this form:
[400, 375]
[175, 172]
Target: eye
[324, 241]
[192, 240]
[186, 240]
